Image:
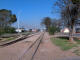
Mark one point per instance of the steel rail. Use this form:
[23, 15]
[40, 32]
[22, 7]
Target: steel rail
[40, 40]
[19, 39]
[26, 51]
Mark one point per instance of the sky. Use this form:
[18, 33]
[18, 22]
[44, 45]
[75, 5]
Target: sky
[29, 12]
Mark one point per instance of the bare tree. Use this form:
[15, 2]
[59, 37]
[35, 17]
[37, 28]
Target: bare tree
[46, 22]
[69, 13]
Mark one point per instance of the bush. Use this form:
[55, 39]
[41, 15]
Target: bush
[7, 30]
[2, 31]
[52, 30]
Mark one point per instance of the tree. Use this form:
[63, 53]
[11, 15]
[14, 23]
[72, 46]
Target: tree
[6, 19]
[13, 19]
[75, 1]
[56, 22]
[46, 22]
[53, 29]
[69, 13]
[55, 26]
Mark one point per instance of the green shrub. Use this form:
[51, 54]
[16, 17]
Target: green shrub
[52, 30]
[7, 30]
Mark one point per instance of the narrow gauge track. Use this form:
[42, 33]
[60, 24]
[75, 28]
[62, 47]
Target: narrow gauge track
[17, 40]
[36, 43]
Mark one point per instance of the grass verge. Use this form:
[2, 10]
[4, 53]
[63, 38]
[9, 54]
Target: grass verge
[64, 44]
[10, 38]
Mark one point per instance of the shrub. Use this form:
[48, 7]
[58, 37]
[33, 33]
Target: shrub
[52, 30]
[9, 30]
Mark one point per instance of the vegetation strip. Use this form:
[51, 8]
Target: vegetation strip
[63, 43]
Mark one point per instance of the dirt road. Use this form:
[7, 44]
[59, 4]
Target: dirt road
[48, 51]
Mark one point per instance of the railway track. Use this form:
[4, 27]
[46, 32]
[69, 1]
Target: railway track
[16, 40]
[29, 53]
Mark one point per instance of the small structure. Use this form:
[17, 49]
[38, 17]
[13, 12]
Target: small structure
[65, 30]
[35, 30]
[20, 30]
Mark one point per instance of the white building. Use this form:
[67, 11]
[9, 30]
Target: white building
[20, 30]
[65, 30]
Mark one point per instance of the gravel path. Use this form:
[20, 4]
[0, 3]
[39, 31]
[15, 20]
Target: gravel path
[48, 51]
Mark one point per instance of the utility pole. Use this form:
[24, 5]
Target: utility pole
[18, 25]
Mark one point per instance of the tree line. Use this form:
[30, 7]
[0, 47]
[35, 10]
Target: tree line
[52, 25]
[7, 18]
[70, 13]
